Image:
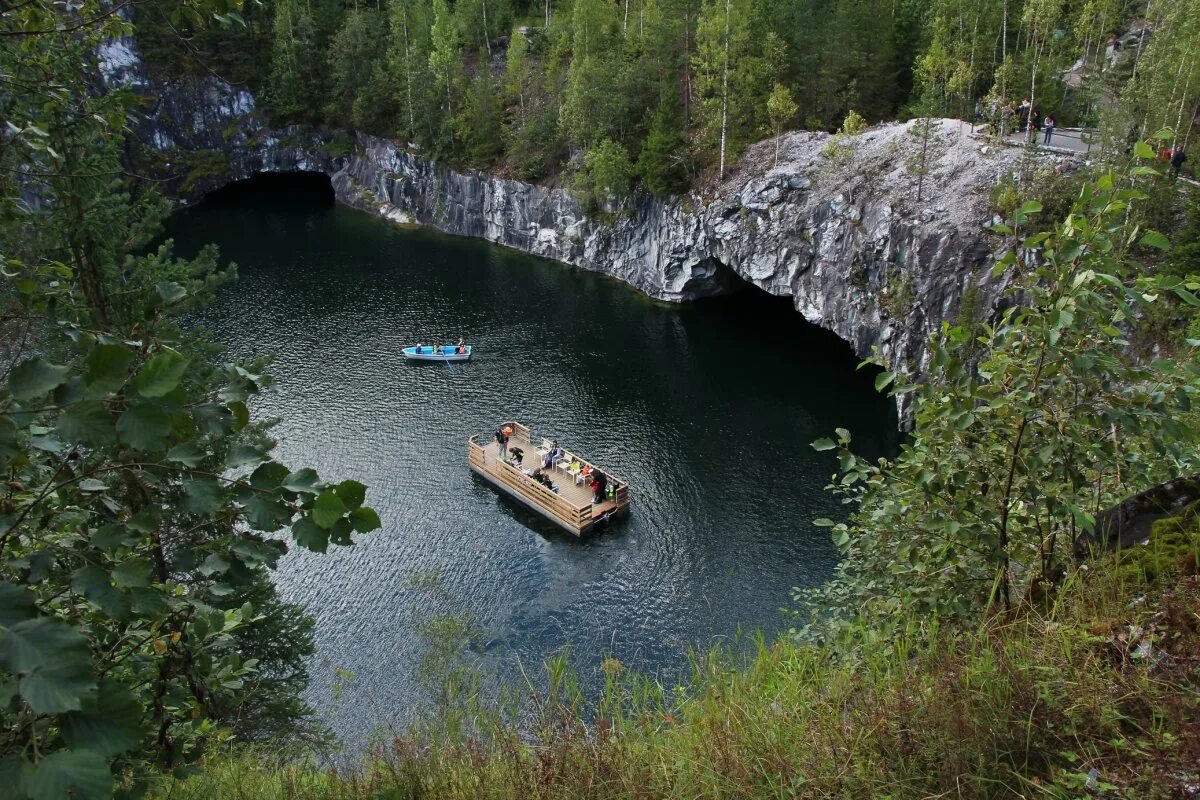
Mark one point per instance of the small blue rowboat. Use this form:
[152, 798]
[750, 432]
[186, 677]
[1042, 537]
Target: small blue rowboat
[445, 352]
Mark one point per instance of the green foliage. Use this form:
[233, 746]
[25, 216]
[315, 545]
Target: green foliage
[606, 172]
[724, 74]
[360, 41]
[1103, 682]
[139, 515]
[296, 88]
[479, 122]
[1015, 452]
[781, 108]
[662, 164]
[445, 71]
[853, 124]
[898, 295]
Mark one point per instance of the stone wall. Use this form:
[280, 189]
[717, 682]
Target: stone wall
[833, 224]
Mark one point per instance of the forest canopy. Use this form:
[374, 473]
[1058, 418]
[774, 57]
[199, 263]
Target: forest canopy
[681, 87]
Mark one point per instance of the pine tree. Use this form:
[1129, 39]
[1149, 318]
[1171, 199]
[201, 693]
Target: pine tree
[353, 53]
[479, 125]
[588, 100]
[294, 86]
[661, 163]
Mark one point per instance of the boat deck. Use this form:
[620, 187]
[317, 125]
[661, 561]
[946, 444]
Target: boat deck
[570, 507]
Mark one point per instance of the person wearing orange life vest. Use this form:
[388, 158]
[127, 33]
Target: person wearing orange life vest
[502, 435]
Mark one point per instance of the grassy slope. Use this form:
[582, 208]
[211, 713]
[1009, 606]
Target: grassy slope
[1023, 707]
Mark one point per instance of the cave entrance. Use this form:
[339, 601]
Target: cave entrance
[290, 191]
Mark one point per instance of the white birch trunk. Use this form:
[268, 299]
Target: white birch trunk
[725, 94]
[487, 40]
[408, 78]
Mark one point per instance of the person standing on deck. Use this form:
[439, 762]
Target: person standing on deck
[502, 435]
[1049, 129]
[599, 482]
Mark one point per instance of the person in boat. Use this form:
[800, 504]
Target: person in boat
[541, 477]
[599, 483]
[554, 455]
[461, 347]
[517, 455]
[502, 435]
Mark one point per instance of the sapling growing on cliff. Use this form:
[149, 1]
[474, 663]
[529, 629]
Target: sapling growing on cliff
[782, 109]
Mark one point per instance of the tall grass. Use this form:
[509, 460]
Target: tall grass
[1097, 694]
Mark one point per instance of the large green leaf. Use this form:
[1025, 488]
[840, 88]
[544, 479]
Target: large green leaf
[110, 537]
[133, 572]
[328, 508]
[365, 520]
[33, 642]
[161, 374]
[15, 772]
[53, 663]
[16, 604]
[215, 564]
[93, 582]
[265, 513]
[144, 427]
[269, 475]
[109, 724]
[82, 775]
[214, 419]
[310, 535]
[204, 496]
[35, 377]
[352, 493]
[302, 480]
[88, 422]
[188, 454]
[60, 686]
[340, 532]
[107, 368]
[243, 455]
[149, 602]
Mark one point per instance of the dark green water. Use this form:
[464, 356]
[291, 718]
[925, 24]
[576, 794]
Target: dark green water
[707, 410]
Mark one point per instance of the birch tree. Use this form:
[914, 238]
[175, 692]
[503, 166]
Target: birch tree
[444, 65]
[408, 61]
[722, 39]
[589, 95]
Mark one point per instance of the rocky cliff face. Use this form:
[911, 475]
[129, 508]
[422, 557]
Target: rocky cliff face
[833, 224]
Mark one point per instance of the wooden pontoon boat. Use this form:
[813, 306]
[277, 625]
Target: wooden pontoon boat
[572, 506]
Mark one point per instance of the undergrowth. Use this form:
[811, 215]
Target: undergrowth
[1095, 696]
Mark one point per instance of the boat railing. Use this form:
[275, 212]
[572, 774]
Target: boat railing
[517, 480]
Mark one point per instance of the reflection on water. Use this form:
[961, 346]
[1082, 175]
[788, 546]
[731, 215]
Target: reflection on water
[707, 410]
